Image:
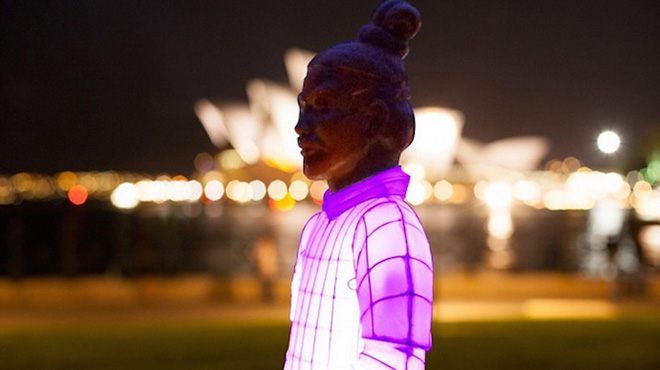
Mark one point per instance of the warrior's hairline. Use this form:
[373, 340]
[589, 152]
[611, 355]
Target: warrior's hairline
[342, 67]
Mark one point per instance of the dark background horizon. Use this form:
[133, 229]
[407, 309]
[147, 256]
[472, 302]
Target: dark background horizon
[110, 85]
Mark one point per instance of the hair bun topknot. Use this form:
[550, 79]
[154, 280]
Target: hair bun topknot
[393, 24]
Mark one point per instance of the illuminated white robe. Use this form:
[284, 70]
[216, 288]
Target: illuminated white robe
[362, 287]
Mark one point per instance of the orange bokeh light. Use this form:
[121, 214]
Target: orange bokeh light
[78, 194]
[282, 205]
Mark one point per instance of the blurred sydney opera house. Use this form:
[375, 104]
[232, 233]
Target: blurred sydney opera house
[261, 130]
[258, 161]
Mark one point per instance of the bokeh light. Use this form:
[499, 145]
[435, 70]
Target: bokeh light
[239, 191]
[298, 190]
[43, 187]
[649, 237]
[158, 191]
[78, 194]
[284, 204]
[196, 190]
[204, 162]
[66, 180]
[22, 182]
[125, 196]
[143, 190]
[277, 190]
[443, 190]
[89, 181]
[258, 190]
[498, 195]
[317, 190]
[418, 192]
[608, 142]
[178, 190]
[230, 159]
[480, 189]
[214, 190]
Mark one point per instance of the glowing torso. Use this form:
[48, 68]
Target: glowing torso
[363, 282]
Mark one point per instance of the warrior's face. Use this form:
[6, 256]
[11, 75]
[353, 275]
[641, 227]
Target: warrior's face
[333, 126]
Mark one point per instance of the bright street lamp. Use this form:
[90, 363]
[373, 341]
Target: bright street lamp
[608, 142]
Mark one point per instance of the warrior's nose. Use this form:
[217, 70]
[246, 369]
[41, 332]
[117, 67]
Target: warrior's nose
[302, 127]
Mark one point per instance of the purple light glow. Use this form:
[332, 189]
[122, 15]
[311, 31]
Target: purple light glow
[362, 289]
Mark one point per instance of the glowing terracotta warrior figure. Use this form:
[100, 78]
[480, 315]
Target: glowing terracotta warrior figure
[363, 280]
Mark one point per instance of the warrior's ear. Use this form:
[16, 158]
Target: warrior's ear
[380, 130]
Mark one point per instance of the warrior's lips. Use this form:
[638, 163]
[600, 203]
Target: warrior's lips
[309, 149]
[310, 152]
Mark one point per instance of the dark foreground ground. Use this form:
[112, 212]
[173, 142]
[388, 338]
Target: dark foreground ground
[482, 321]
[256, 338]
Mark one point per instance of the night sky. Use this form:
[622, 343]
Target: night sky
[110, 85]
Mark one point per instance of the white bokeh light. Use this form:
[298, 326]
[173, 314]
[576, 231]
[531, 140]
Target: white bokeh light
[214, 190]
[609, 142]
[298, 190]
[443, 190]
[498, 195]
[277, 190]
[195, 190]
[125, 196]
[258, 190]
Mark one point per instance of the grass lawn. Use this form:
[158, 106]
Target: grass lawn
[632, 342]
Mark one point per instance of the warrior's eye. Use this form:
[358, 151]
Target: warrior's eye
[322, 100]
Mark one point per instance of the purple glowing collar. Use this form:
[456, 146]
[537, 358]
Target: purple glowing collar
[387, 183]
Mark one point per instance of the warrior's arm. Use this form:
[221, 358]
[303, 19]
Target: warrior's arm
[394, 276]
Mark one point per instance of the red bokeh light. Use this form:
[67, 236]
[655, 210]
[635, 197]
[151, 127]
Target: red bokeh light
[78, 194]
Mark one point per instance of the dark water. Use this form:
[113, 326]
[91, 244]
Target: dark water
[40, 238]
